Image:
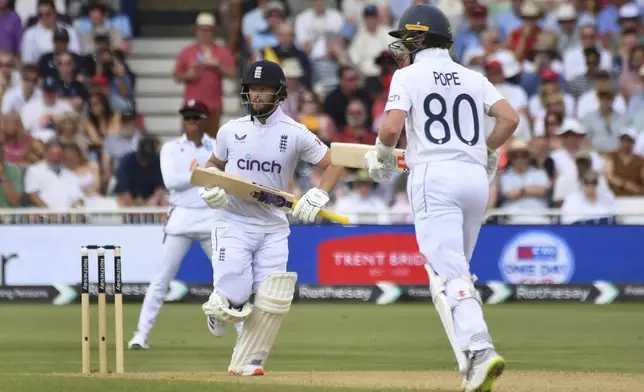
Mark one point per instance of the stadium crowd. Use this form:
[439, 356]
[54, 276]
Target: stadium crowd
[573, 70]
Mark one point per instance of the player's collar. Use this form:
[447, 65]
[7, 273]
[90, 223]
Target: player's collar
[432, 53]
[273, 119]
[184, 138]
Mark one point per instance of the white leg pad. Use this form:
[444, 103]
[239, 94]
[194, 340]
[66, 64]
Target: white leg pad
[437, 289]
[272, 302]
[219, 308]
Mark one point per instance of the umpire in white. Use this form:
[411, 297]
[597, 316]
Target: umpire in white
[189, 218]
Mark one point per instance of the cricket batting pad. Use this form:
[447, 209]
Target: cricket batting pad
[272, 302]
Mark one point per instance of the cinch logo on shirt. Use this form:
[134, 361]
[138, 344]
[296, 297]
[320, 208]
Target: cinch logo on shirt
[255, 165]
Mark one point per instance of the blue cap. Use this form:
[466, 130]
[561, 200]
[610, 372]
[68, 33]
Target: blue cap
[50, 84]
[370, 10]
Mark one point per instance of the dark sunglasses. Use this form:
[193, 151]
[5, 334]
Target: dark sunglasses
[192, 118]
[593, 183]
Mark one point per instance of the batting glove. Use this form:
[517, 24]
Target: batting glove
[310, 205]
[215, 197]
[379, 169]
[492, 164]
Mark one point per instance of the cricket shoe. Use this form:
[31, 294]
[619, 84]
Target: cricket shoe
[138, 342]
[217, 328]
[486, 367]
[247, 370]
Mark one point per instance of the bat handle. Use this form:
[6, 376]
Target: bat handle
[332, 216]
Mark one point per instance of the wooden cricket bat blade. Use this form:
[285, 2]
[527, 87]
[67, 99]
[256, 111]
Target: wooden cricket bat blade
[351, 155]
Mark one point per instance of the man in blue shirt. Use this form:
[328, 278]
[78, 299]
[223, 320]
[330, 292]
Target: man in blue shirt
[471, 35]
[138, 179]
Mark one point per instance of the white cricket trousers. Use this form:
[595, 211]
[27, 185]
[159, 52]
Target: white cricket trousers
[242, 260]
[175, 248]
[449, 201]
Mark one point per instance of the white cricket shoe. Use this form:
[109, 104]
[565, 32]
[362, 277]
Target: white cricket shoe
[138, 342]
[486, 367]
[217, 328]
[247, 370]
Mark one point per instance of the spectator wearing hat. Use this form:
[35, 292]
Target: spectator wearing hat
[470, 36]
[69, 88]
[574, 59]
[587, 204]
[12, 29]
[201, 67]
[367, 45]
[49, 184]
[47, 62]
[38, 39]
[286, 49]
[604, 124]
[17, 97]
[523, 187]
[117, 144]
[543, 55]
[360, 204]
[293, 72]
[10, 181]
[99, 24]
[515, 95]
[101, 84]
[572, 136]
[609, 17]
[138, 180]
[589, 101]
[510, 19]
[551, 83]
[275, 16]
[625, 170]
[100, 14]
[40, 114]
[522, 40]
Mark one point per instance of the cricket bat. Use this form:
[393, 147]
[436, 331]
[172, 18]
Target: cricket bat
[352, 155]
[251, 191]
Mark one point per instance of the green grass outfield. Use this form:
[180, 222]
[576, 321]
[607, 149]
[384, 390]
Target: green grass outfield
[321, 347]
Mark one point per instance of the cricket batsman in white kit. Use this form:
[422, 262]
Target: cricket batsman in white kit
[188, 219]
[442, 105]
[250, 240]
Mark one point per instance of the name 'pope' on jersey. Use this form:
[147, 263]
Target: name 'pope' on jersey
[446, 104]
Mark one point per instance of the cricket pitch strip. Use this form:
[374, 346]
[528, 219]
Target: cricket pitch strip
[512, 381]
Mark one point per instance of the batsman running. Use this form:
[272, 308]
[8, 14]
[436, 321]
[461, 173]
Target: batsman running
[250, 240]
[451, 163]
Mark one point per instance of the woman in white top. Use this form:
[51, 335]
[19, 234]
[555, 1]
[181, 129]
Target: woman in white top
[86, 171]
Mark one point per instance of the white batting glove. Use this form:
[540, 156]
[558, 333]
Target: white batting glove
[310, 205]
[492, 164]
[215, 197]
[378, 169]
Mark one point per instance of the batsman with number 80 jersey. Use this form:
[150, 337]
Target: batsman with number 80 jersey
[250, 239]
[442, 105]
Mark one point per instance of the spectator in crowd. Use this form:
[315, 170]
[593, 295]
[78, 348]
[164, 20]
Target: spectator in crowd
[11, 28]
[102, 120]
[16, 138]
[275, 16]
[624, 45]
[113, 20]
[581, 84]
[119, 144]
[201, 67]
[336, 102]
[608, 20]
[49, 184]
[286, 49]
[636, 102]
[470, 37]
[522, 40]
[544, 55]
[548, 127]
[254, 21]
[588, 203]
[28, 11]
[91, 60]
[589, 101]
[510, 19]
[475, 56]
[367, 45]
[38, 39]
[309, 114]
[99, 23]
[574, 59]
[70, 89]
[40, 114]
[17, 97]
[138, 180]
[360, 204]
[10, 181]
[35, 152]
[47, 62]
[550, 84]
[625, 170]
[515, 95]
[86, 171]
[567, 28]
[293, 73]
[353, 14]
[69, 131]
[524, 188]
[101, 85]
[9, 75]
[314, 24]
[111, 65]
[604, 124]
[356, 130]
[541, 156]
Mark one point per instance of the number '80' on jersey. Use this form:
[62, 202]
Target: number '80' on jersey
[445, 104]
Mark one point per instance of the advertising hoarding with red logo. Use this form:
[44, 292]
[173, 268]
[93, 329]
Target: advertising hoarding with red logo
[371, 258]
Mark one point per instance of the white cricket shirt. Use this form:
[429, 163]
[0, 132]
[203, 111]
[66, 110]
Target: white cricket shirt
[445, 103]
[266, 154]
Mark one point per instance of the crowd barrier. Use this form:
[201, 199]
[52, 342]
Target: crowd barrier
[360, 262]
